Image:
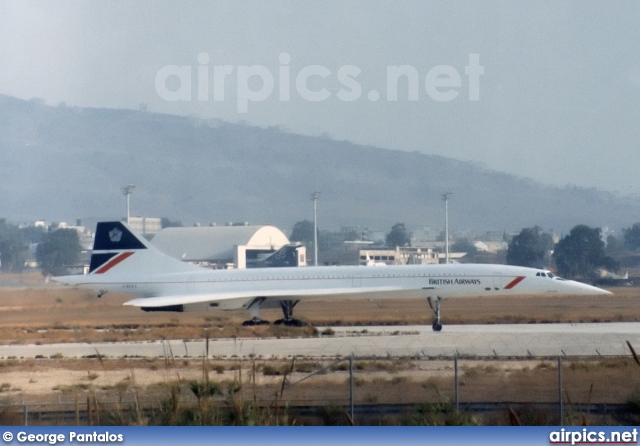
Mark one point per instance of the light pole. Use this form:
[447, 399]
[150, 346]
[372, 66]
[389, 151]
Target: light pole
[314, 197]
[445, 197]
[128, 190]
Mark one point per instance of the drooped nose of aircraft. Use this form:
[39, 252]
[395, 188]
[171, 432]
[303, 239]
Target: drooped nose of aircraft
[573, 287]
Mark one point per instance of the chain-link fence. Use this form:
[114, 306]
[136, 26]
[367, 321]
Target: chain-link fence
[395, 390]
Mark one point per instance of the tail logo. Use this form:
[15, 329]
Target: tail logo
[115, 235]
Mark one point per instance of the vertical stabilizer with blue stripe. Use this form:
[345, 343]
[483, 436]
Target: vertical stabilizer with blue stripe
[118, 249]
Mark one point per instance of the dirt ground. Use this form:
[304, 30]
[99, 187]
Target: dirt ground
[381, 381]
[33, 311]
[29, 306]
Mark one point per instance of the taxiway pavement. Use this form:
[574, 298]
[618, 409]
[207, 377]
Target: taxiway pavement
[589, 339]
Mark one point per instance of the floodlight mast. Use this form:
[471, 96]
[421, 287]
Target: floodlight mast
[445, 197]
[314, 197]
[128, 190]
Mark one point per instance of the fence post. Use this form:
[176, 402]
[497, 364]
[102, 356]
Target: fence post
[560, 390]
[351, 386]
[455, 382]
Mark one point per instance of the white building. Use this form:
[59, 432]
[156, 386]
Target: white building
[145, 225]
[492, 247]
[220, 245]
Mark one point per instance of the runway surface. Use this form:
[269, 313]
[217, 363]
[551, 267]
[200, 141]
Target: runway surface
[606, 339]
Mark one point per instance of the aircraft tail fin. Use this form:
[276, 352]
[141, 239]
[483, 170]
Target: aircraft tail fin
[285, 256]
[117, 248]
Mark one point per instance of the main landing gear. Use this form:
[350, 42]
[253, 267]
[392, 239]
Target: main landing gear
[254, 308]
[437, 326]
[287, 310]
[255, 321]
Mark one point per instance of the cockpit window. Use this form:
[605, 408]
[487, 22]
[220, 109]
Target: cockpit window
[549, 274]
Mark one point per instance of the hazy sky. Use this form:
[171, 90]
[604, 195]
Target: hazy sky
[547, 90]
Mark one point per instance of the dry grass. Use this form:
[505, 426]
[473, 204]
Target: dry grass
[44, 313]
[33, 311]
[406, 381]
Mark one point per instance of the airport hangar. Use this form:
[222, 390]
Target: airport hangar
[231, 246]
[243, 246]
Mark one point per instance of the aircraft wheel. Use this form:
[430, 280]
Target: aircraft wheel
[290, 322]
[254, 322]
[436, 326]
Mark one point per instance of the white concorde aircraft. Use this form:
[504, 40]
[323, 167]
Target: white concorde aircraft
[127, 263]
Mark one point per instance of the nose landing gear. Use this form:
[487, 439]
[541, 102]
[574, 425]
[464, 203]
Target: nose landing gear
[437, 326]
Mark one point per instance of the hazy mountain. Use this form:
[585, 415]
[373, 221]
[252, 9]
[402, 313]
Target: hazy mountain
[66, 162]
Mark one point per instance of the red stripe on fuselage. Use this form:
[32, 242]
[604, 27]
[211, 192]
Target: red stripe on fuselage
[514, 282]
[113, 262]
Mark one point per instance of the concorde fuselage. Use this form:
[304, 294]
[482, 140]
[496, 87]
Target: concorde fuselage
[125, 262]
[342, 281]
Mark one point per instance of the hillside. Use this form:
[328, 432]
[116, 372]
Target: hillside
[67, 162]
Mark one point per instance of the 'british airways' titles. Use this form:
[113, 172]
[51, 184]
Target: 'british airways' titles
[455, 281]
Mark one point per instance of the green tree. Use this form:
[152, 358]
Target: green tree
[632, 237]
[582, 251]
[398, 236]
[13, 247]
[530, 248]
[302, 232]
[58, 250]
[614, 245]
[33, 234]
[465, 245]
